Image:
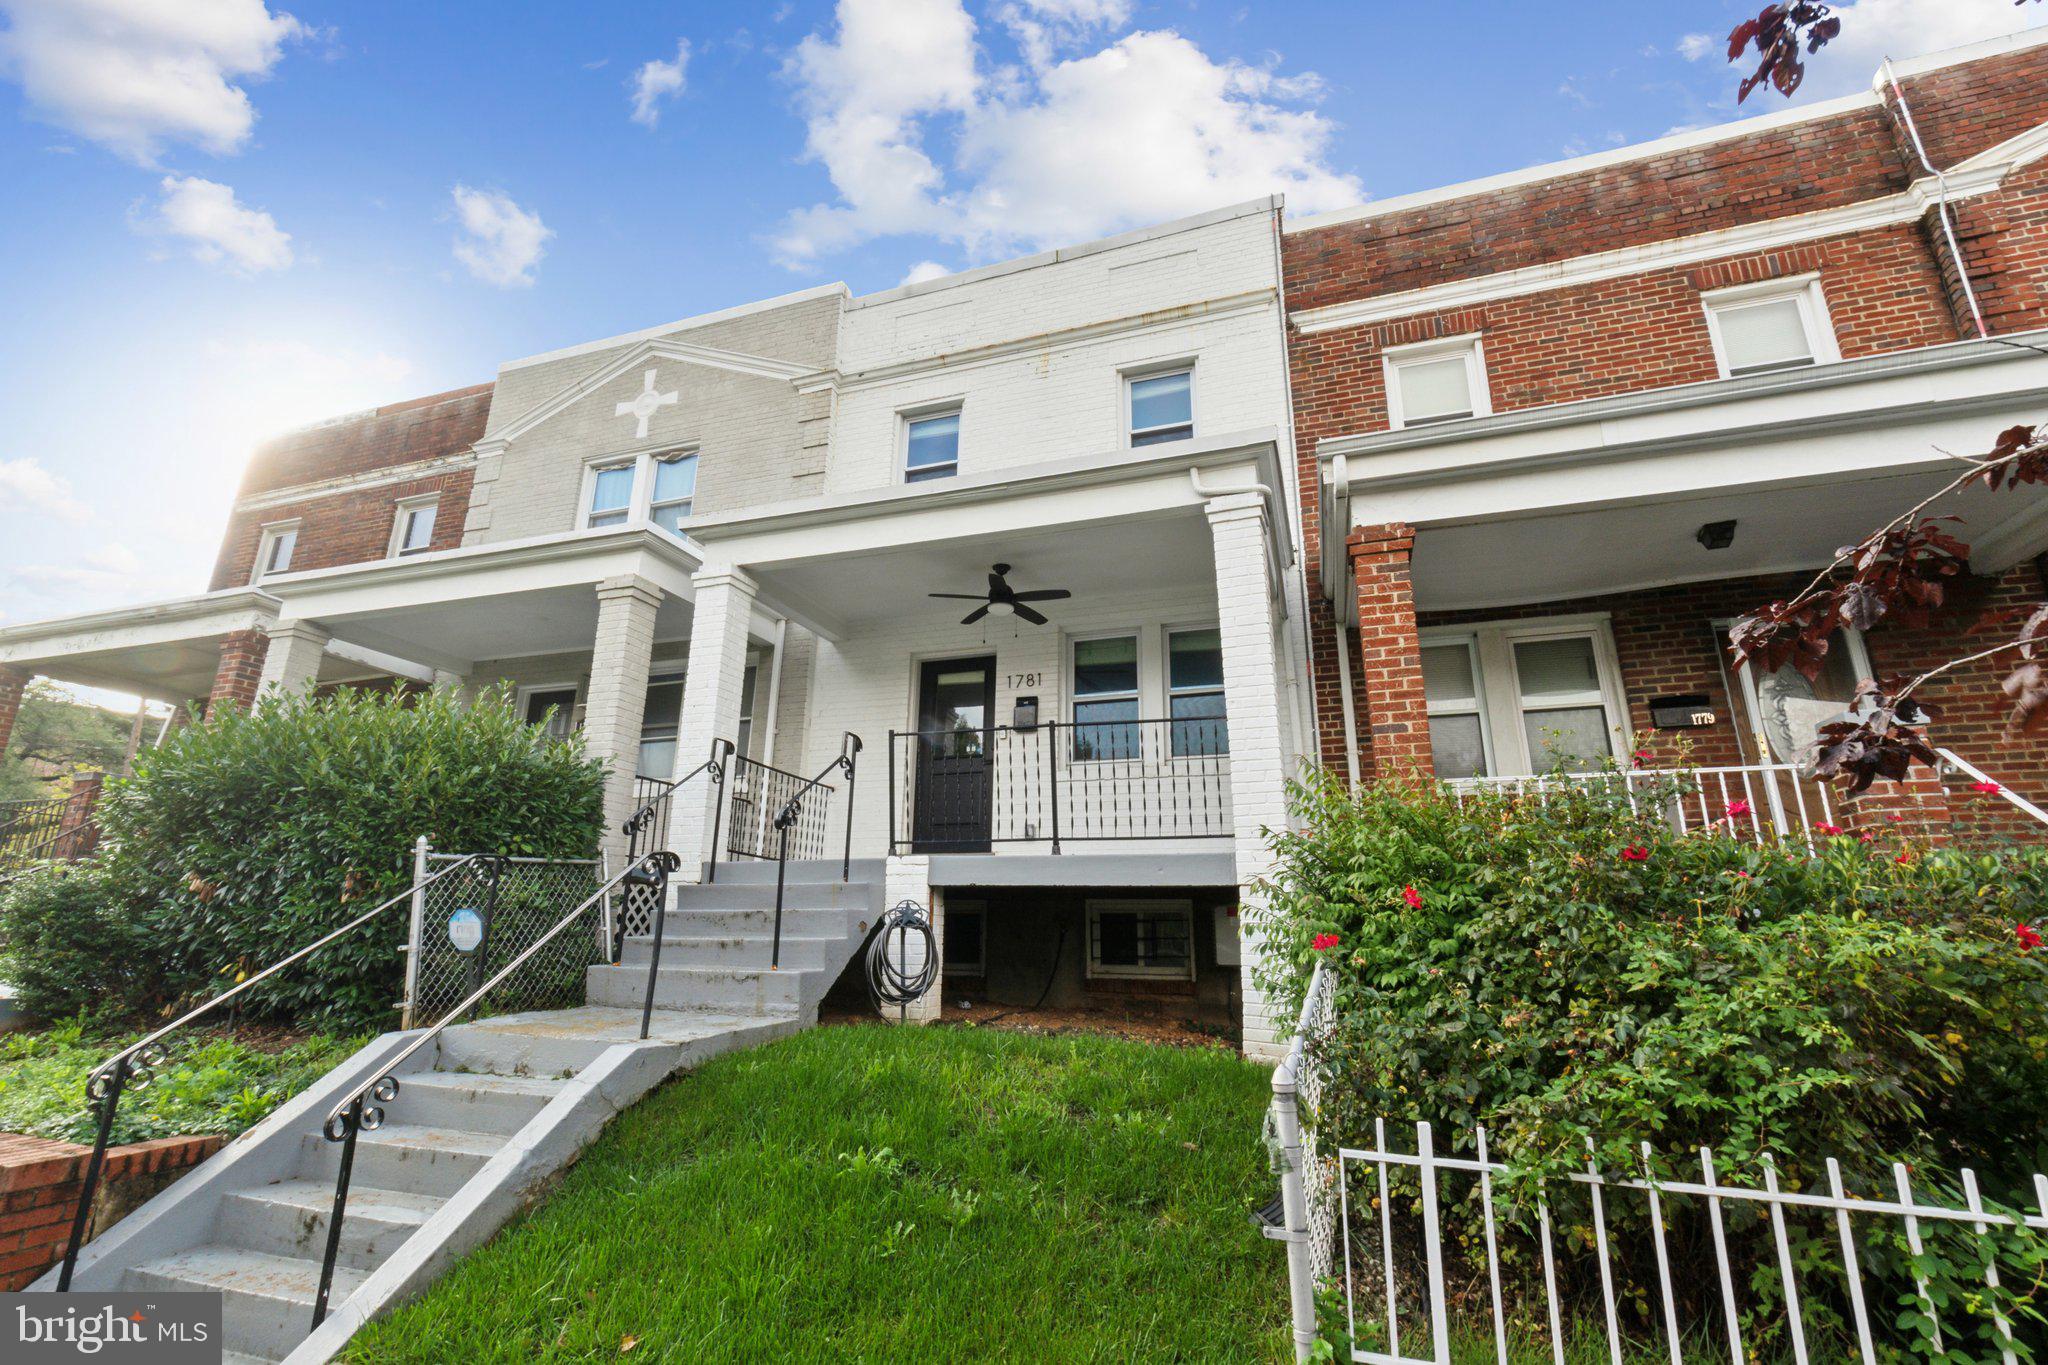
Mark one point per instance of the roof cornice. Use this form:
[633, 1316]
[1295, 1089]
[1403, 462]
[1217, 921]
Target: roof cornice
[229, 600]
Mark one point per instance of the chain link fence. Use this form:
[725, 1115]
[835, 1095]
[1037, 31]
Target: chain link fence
[472, 922]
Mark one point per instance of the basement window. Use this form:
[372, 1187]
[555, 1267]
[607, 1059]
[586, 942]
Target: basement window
[1435, 381]
[1141, 940]
[413, 533]
[966, 935]
[1776, 325]
[274, 550]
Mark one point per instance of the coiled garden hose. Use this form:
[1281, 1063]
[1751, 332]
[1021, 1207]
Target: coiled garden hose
[891, 979]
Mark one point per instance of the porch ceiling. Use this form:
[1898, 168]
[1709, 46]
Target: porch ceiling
[1597, 551]
[456, 634]
[166, 651]
[844, 592]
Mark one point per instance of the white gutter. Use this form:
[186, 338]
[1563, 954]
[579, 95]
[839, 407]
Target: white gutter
[1948, 229]
[1275, 585]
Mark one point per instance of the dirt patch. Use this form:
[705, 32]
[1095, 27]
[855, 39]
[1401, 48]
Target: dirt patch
[1134, 1021]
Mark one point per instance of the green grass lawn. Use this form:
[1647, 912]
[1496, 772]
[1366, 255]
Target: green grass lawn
[870, 1193]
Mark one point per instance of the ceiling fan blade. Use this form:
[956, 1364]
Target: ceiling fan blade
[962, 596]
[975, 615]
[1028, 614]
[1042, 595]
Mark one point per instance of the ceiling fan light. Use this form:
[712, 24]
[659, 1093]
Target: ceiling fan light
[1003, 608]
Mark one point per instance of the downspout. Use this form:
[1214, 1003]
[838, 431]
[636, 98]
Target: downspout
[1948, 230]
[774, 692]
[1340, 487]
[1297, 532]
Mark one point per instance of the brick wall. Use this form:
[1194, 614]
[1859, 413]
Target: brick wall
[387, 437]
[241, 668]
[345, 527]
[1395, 732]
[40, 1182]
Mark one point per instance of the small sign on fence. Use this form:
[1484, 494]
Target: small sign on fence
[465, 930]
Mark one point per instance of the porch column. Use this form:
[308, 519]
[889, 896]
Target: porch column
[446, 680]
[713, 681]
[241, 667]
[291, 663]
[1390, 652]
[13, 682]
[617, 702]
[1247, 616]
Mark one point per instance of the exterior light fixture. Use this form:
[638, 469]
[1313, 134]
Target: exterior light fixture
[1717, 535]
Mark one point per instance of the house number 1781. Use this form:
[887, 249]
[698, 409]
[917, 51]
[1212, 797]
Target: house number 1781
[1025, 679]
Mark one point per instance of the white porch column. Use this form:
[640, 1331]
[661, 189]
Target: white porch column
[445, 680]
[713, 682]
[293, 659]
[618, 695]
[1259, 761]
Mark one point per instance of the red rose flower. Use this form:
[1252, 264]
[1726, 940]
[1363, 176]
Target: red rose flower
[1324, 942]
[1824, 827]
[2029, 940]
[1737, 808]
[1635, 854]
[1986, 788]
[1412, 896]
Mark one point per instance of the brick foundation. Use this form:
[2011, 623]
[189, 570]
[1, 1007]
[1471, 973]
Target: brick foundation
[40, 1181]
[241, 668]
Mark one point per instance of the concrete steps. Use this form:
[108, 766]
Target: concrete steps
[266, 1301]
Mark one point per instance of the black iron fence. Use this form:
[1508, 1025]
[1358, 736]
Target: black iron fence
[32, 831]
[759, 796]
[965, 790]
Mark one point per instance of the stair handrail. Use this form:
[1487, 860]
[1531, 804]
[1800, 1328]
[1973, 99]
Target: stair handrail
[363, 1107]
[792, 809]
[640, 820]
[1976, 774]
[132, 1066]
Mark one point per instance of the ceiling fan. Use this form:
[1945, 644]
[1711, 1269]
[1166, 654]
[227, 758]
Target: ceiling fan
[1004, 600]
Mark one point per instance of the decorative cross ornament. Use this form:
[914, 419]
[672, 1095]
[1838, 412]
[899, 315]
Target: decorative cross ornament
[644, 404]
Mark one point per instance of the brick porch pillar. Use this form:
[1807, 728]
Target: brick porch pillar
[241, 669]
[77, 831]
[13, 682]
[712, 683]
[617, 703]
[1390, 652]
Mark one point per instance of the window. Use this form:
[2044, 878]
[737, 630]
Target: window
[931, 446]
[675, 489]
[414, 532]
[274, 550]
[745, 740]
[1162, 407]
[1457, 722]
[1194, 693]
[1105, 698]
[1436, 381]
[658, 726]
[611, 495]
[1141, 939]
[966, 938]
[1521, 697]
[553, 706]
[1777, 325]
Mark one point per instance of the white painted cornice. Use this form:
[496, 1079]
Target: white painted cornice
[353, 483]
[508, 554]
[231, 608]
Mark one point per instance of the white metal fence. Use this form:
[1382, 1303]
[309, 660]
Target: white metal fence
[1368, 1223]
[1763, 803]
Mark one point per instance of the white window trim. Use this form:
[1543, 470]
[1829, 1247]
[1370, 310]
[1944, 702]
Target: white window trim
[1477, 705]
[405, 507]
[1155, 684]
[907, 417]
[267, 537]
[666, 457]
[1142, 637]
[1500, 687]
[1153, 369]
[1745, 677]
[1141, 905]
[639, 502]
[524, 695]
[961, 909]
[1813, 314]
[1470, 345]
[1167, 692]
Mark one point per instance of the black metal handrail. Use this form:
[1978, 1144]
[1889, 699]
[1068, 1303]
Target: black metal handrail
[31, 831]
[963, 790]
[759, 794]
[132, 1067]
[791, 813]
[647, 828]
[363, 1108]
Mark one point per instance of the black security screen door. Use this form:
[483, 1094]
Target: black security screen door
[956, 704]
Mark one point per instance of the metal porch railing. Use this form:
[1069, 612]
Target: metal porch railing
[1059, 782]
[1763, 803]
[35, 831]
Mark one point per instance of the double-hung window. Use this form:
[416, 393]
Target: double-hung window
[551, 707]
[413, 533]
[610, 494]
[1141, 939]
[1436, 381]
[274, 550]
[1194, 693]
[1161, 406]
[1521, 697]
[1776, 325]
[659, 722]
[1106, 698]
[931, 446]
[675, 490]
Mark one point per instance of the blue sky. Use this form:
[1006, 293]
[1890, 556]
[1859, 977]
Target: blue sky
[229, 217]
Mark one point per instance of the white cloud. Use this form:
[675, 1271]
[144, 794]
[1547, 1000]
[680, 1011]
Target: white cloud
[925, 270]
[1695, 46]
[1044, 27]
[501, 243]
[133, 75]
[26, 486]
[1147, 128]
[656, 81]
[218, 228]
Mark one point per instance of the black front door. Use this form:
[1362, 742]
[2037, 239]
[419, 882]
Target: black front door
[956, 706]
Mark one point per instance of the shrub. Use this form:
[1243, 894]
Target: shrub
[1573, 969]
[242, 840]
[71, 944]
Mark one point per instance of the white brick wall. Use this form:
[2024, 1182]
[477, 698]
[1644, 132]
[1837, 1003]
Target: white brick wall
[712, 687]
[904, 879]
[617, 699]
[293, 658]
